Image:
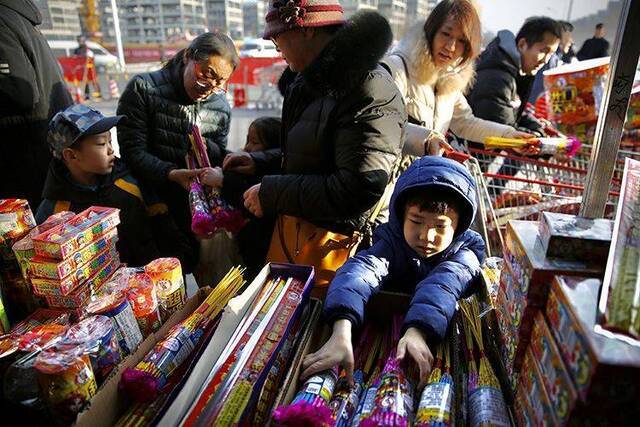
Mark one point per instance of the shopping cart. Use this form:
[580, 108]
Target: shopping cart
[514, 187]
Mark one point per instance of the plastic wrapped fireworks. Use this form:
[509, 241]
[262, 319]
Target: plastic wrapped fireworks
[66, 380]
[434, 407]
[209, 211]
[568, 146]
[346, 398]
[311, 405]
[96, 334]
[144, 382]
[394, 398]
[486, 404]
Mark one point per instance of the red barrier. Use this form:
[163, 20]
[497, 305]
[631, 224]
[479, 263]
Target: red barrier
[245, 73]
[73, 68]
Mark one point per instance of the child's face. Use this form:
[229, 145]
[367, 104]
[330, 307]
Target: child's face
[93, 154]
[429, 233]
[253, 141]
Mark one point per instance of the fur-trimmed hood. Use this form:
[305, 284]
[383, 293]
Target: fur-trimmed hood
[355, 50]
[417, 53]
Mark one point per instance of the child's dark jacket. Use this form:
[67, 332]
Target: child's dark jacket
[436, 283]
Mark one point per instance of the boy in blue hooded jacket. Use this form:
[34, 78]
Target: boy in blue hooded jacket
[426, 249]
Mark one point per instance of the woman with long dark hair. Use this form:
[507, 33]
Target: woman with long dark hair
[162, 106]
[433, 67]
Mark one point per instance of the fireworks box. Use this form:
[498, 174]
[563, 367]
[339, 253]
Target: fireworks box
[108, 404]
[16, 219]
[526, 279]
[533, 406]
[79, 296]
[53, 287]
[46, 268]
[571, 237]
[234, 313]
[557, 381]
[64, 240]
[604, 370]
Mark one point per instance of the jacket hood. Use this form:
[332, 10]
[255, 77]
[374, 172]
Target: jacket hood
[501, 53]
[60, 186]
[25, 8]
[431, 172]
[417, 53]
[355, 50]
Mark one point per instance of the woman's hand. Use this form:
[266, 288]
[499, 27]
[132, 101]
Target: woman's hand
[213, 177]
[436, 144]
[414, 344]
[338, 350]
[252, 201]
[239, 162]
[529, 150]
[183, 177]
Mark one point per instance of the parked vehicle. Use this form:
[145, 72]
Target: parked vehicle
[258, 48]
[103, 59]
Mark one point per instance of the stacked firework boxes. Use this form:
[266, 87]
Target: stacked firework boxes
[74, 259]
[572, 374]
[524, 287]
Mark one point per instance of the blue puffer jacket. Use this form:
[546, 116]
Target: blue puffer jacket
[436, 283]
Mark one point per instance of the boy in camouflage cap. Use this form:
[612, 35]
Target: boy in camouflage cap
[85, 172]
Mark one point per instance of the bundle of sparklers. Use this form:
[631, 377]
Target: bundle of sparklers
[383, 392]
[209, 211]
[151, 383]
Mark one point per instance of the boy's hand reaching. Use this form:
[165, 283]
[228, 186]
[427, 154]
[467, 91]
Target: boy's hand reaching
[414, 344]
[338, 350]
[212, 177]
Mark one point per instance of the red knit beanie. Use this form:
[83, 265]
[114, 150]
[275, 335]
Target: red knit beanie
[285, 15]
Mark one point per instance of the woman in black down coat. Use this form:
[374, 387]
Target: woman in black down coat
[342, 121]
[162, 106]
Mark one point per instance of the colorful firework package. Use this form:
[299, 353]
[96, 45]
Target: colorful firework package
[486, 404]
[166, 275]
[144, 382]
[209, 211]
[434, 407]
[66, 379]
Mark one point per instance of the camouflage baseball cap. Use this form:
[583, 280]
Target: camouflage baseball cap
[67, 126]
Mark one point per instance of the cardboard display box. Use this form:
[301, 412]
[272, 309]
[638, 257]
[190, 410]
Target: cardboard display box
[533, 406]
[108, 405]
[526, 279]
[605, 371]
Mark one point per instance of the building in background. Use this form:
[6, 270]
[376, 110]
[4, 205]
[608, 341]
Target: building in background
[418, 10]
[253, 13]
[225, 16]
[158, 21]
[60, 19]
[396, 13]
[352, 6]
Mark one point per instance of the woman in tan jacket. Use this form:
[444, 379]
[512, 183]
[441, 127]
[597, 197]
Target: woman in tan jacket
[433, 66]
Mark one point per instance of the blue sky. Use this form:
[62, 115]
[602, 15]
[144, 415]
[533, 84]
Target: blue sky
[510, 14]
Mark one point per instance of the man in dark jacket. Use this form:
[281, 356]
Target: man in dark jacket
[426, 249]
[31, 92]
[505, 70]
[342, 121]
[596, 46]
[84, 173]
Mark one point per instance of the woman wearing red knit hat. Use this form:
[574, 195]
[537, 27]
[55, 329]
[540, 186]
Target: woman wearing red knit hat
[342, 129]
